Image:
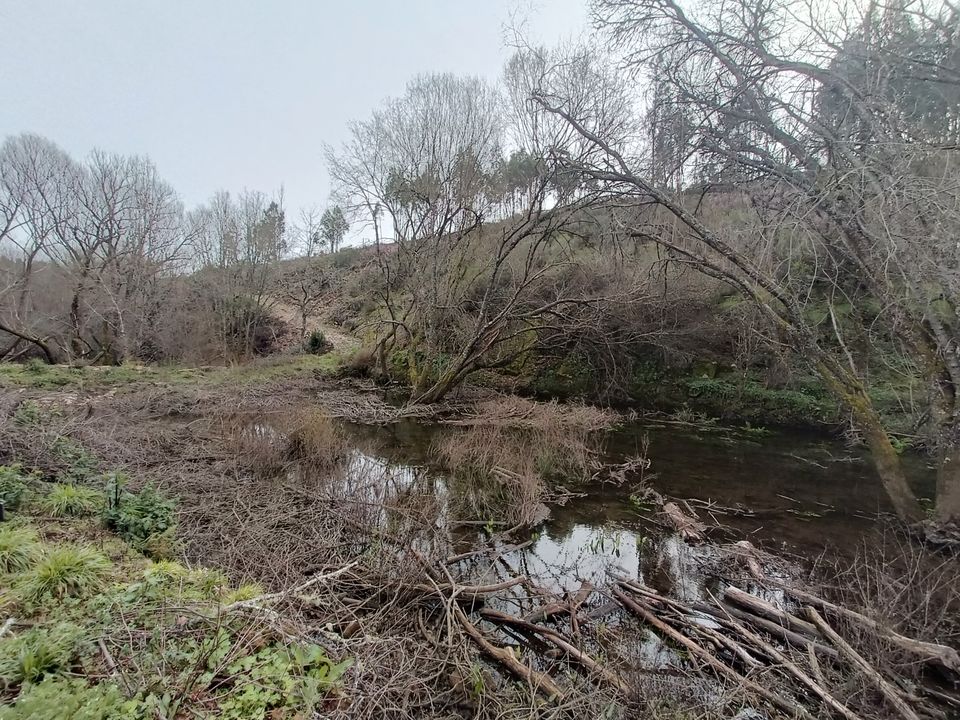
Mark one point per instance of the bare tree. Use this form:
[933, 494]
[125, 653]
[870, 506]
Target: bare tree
[490, 255]
[239, 244]
[834, 132]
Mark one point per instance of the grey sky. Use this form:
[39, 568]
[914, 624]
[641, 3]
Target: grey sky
[233, 94]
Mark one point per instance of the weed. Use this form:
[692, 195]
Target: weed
[19, 549]
[79, 465]
[67, 570]
[755, 430]
[39, 653]
[67, 500]
[299, 676]
[144, 519]
[27, 414]
[14, 485]
[58, 698]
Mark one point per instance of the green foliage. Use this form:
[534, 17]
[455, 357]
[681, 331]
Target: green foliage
[68, 500]
[39, 653]
[64, 571]
[79, 464]
[27, 414]
[294, 677]
[755, 430]
[573, 376]
[70, 699]
[14, 485]
[901, 444]
[144, 519]
[317, 343]
[19, 549]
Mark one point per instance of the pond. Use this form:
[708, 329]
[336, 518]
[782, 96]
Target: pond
[794, 494]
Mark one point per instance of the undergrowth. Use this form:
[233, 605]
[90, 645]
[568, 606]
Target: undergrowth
[97, 631]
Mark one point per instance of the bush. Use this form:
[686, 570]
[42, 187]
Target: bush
[63, 699]
[14, 485]
[143, 519]
[317, 344]
[78, 465]
[68, 500]
[39, 653]
[19, 549]
[68, 570]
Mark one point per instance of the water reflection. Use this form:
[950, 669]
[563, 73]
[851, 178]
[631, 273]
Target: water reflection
[804, 494]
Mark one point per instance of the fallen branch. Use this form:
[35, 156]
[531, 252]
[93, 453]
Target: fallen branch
[795, 670]
[941, 655]
[689, 528]
[608, 677]
[539, 681]
[645, 613]
[769, 611]
[888, 690]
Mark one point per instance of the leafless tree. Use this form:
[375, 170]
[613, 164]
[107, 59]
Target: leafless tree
[239, 243]
[483, 255]
[832, 132]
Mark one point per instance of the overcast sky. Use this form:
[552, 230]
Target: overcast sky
[233, 94]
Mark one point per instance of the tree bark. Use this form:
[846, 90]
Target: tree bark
[948, 477]
[885, 458]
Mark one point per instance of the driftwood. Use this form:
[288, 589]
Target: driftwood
[645, 613]
[747, 553]
[689, 528]
[788, 637]
[571, 605]
[941, 655]
[889, 691]
[602, 673]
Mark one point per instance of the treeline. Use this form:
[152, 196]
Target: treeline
[797, 160]
[100, 262]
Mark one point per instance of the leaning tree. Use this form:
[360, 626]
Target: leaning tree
[834, 132]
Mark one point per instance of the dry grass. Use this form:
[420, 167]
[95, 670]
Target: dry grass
[511, 449]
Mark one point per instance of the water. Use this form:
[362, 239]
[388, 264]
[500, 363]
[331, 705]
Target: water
[795, 494]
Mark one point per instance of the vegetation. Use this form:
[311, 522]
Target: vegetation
[69, 654]
[740, 212]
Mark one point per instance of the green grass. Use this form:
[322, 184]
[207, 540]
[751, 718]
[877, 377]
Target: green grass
[19, 549]
[96, 377]
[69, 500]
[68, 570]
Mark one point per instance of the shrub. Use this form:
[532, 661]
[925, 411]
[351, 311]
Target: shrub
[78, 464]
[316, 440]
[68, 500]
[142, 519]
[27, 414]
[14, 485]
[59, 698]
[68, 570]
[19, 549]
[39, 653]
[317, 343]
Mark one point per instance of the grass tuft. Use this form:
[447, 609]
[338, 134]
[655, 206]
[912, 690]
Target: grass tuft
[65, 571]
[19, 549]
[69, 500]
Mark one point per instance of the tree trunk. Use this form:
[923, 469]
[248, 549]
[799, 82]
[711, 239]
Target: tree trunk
[948, 478]
[888, 466]
[885, 458]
